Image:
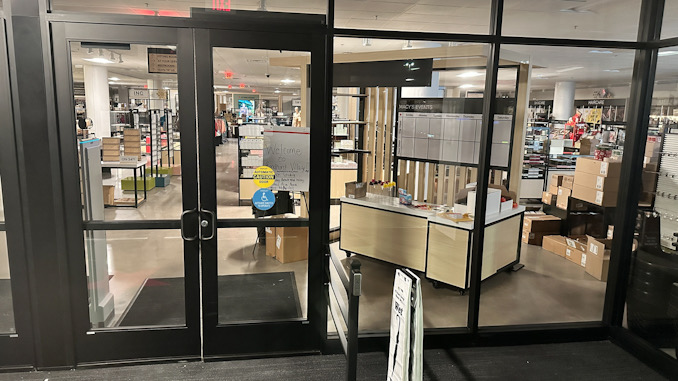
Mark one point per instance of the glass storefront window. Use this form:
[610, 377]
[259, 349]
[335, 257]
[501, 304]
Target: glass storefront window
[570, 109]
[6, 307]
[452, 16]
[670, 23]
[586, 20]
[166, 8]
[651, 309]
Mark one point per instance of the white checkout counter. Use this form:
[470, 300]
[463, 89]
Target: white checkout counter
[383, 229]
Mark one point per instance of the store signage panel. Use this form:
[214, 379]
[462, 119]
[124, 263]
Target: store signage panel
[139, 94]
[287, 153]
[398, 73]
[162, 61]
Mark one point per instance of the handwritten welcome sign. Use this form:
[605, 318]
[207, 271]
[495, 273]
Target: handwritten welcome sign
[287, 152]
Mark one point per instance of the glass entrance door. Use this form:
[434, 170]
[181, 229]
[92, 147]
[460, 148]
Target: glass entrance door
[260, 265]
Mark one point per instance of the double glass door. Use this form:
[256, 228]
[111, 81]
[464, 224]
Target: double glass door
[171, 254]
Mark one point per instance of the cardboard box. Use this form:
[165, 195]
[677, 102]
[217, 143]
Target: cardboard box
[610, 231]
[556, 180]
[548, 198]
[176, 170]
[493, 201]
[598, 267]
[563, 195]
[576, 242]
[110, 158]
[568, 181]
[555, 244]
[291, 244]
[588, 146]
[109, 194]
[541, 223]
[355, 189]
[131, 132]
[598, 246]
[553, 189]
[576, 256]
[597, 167]
[589, 180]
[270, 241]
[594, 196]
[534, 238]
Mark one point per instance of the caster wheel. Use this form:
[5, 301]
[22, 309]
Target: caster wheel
[435, 284]
[462, 292]
[348, 255]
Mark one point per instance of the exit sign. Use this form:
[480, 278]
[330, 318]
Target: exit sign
[221, 5]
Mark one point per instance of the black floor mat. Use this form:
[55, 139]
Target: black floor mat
[6, 309]
[242, 297]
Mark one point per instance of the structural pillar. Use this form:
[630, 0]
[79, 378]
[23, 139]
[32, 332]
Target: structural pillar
[97, 99]
[563, 100]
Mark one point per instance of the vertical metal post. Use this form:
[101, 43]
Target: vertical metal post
[353, 305]
[642, 86]
[489, 106]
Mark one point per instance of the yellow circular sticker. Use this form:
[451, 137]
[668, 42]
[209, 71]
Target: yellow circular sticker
[264, 177]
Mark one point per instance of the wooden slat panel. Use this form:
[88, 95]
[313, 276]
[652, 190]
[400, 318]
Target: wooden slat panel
[379, 152]
[411, 176]
[421, 181]
[451, 185]
[390, 103]
[430, 192]
[442, 181]
[473, 175]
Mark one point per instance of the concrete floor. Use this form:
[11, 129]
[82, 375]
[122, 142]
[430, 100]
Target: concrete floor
[549, 289]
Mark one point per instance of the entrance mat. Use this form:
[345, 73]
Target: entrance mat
[6, 308]
[242, 297]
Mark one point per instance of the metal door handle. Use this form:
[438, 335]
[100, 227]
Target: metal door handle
[183, 217]
[213, 223]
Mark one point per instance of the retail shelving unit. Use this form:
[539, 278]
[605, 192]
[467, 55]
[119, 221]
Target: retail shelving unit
[120, 119]
[250, 156]
[666, 196]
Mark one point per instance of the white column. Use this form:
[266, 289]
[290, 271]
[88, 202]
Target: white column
[563, 100]
[97, 99]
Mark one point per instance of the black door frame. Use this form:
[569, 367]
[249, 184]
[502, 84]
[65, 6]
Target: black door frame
[120, 344]
[16, 349]
[297, 335]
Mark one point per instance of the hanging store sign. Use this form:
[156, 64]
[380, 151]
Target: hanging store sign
[162, 61]
[139, 94]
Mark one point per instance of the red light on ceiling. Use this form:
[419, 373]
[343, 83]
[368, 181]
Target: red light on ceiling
[144, 12]
[221, 5]
[254, 90]
[242, 85]
[145, 86]
[230, 87]
[173, 14]
[228, 74]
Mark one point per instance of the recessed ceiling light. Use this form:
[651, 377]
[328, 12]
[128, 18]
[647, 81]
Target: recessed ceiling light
[466, 86]
[287, 80]
[470, 74]
[114, 79]
[409, 79]
[569, 69]
[667, 53]
[601, 51]
[99, 60]
[166, 88]
[611, 70]
[277, 91]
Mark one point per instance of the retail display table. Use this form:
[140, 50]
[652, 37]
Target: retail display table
[139, 166]
[382, 228]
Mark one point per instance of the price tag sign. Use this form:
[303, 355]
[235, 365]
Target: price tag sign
[129, 159]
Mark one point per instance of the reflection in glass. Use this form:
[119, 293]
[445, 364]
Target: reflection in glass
[132, 108]
[651, 308]
[6, 307]
[572, 114]
[262, 278]
[585, 20]
[135, 278]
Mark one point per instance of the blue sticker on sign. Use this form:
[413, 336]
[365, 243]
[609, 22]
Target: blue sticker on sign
[263, 199]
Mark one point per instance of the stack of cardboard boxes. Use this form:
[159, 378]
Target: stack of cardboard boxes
[596, 181]
[110, 149]
[537, 225]
[287, 244]
[591, 253]
[132, 142]
[559, 192]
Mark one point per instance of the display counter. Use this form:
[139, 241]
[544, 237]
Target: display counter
[342, 173]
[382, 228]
